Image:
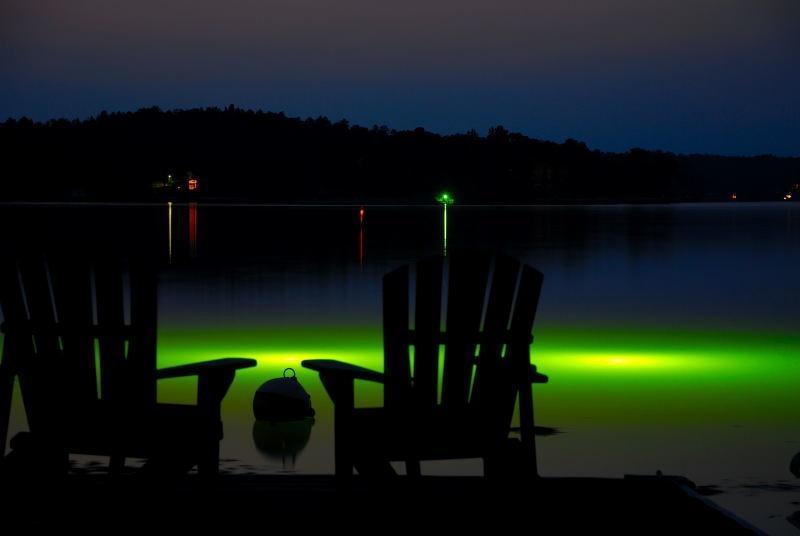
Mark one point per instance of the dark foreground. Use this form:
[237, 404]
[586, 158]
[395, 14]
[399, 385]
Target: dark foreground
[270, 503]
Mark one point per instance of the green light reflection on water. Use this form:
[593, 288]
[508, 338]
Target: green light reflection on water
[601, 375]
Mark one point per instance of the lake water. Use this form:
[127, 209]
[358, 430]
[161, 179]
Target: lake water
[670, 333]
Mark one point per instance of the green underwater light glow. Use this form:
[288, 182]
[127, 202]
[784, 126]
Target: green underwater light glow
[598, 376]
[606, 376]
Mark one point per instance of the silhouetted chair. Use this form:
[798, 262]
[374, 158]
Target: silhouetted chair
[447, 394]
[81, 339]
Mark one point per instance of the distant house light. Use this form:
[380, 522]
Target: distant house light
[193, 184]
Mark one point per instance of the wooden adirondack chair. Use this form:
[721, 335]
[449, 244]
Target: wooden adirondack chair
[447, 394]
[86, 364]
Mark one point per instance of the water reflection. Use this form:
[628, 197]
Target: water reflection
[282, 441]
[361, 230]
[182, 231]
[444, 228]
[169, 231]
[193, 230]
[670, 332]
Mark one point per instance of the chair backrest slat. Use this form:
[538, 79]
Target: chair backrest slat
[108, 282]
[141, 363]
[518, 356]
[495, 330]
[12, 300]
[72, 293]
[48, 309]
[427, 320]
[468, 276]
[530, 288]
[397, 388]
[17, 344]
[36, 288]
[510, 303]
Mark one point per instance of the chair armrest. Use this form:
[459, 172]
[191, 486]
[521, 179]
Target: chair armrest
[538, 377]
[227, 364]
[214, 378]
[338, 378]
[344, 370]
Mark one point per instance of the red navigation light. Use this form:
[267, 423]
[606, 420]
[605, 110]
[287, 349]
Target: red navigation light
[361, 214]
[193, 184]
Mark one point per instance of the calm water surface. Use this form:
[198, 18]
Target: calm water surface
[670, 333]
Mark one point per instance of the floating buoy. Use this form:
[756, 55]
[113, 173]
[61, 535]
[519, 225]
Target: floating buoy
[282, 399]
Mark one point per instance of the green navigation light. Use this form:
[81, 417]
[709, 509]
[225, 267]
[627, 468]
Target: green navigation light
[445, 199]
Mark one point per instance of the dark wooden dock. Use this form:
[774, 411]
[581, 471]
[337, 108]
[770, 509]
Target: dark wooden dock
[275, 504]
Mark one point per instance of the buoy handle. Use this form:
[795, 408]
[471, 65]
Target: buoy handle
[287, 370]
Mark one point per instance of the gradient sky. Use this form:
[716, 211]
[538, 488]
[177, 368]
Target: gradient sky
[719, 76]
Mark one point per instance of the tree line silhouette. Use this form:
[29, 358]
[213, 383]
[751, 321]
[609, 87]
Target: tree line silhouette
[262, 156]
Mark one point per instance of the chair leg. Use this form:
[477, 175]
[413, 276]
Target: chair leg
[116, 464]
[211, 390]
[208, 464]
[413, 468]
[343, 396]
[496, 467]
[6, 394]
[208, 454]
[372, 468]
[342, 449]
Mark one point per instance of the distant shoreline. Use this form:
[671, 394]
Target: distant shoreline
[229, 203]
[233, 155]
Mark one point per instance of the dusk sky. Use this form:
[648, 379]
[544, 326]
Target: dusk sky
[718, 76]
